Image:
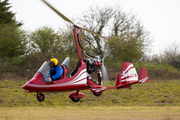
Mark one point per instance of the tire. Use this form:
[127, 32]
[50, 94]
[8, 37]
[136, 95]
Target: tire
[40, 97]
[97, 94]
[75, 99]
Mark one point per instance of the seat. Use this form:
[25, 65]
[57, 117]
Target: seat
[64, 72]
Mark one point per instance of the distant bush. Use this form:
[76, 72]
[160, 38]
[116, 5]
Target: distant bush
[27, 66]
[159, 71]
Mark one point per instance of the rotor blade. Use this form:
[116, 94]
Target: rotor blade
[68, 20]
[112, 41]
[60, 14]
[95, 33]
[105, 73]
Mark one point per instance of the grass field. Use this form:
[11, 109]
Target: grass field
[156, 100]
[90, 113]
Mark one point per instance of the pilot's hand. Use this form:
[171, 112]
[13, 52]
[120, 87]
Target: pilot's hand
[49, 80]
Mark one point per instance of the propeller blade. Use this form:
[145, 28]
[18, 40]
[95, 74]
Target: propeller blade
[104, 73]
[107, 51]
[60, 14]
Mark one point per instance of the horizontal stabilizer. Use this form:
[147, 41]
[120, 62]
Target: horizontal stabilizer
[127, 77]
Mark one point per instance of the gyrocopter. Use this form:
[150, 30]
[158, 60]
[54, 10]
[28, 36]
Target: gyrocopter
[80, 78]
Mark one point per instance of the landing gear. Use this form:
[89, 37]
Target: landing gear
[97, 90]
[40, 97]
[75, 99]
[97, 94]
[99, 76]
[75, 96]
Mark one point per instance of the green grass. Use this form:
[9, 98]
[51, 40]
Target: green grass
[154, 93]
[156, 100]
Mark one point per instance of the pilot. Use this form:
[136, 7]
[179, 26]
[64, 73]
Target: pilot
[55, 71]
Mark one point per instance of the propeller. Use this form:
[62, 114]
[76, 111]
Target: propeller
[104, 73]
[107, 51]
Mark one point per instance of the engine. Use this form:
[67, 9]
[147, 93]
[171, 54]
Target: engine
[94, 64]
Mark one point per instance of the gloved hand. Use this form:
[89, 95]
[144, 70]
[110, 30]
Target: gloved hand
[49, 80]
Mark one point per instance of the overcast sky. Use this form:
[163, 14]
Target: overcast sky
[160, 17]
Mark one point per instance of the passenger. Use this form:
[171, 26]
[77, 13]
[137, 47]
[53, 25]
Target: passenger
[55, 71]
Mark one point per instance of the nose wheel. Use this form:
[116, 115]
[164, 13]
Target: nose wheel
[40, 97]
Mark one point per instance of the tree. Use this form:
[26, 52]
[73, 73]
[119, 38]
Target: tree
[96, 19]
[6, 16]
[129, 39]
[171, 55]
[45, 40]
[128, 31]
[13, 41]
[68, 42]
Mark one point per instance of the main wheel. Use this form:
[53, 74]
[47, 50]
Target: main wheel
[75, 99]
[97, 94]
[40, 97]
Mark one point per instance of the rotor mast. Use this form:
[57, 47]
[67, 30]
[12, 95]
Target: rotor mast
[78, 35]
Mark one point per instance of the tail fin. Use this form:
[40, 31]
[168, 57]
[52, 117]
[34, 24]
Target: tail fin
[128, 75]
[143, 76]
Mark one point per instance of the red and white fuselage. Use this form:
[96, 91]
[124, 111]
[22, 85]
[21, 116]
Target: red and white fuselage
[79, 81]
[76, 82]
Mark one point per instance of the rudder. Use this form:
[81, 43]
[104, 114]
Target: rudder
[143, 76]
